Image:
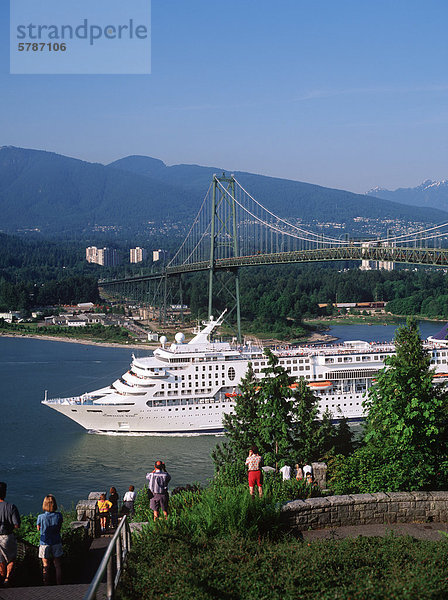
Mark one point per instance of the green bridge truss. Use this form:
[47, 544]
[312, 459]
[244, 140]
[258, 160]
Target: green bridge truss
[153, 286]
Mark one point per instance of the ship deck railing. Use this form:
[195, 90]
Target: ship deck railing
[74, 400]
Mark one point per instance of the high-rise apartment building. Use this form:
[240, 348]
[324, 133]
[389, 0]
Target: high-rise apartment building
[107, 257]
[137, 255]
[158, 255]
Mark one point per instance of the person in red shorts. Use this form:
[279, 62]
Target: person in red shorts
[253, 462]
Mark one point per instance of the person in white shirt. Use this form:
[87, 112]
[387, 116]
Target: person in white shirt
[307, 469]
[128, 501]
[286, 472]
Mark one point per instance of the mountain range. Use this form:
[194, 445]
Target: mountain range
[59, 195]
[433, 194]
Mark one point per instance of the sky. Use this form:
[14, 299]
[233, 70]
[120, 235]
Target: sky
[350, 94]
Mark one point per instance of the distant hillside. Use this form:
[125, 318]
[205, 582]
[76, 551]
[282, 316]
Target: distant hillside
[283, 196]
[55, 193]
[432, 194]
[139, 195]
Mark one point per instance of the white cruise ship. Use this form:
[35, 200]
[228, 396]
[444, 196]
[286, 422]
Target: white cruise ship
[185, 388]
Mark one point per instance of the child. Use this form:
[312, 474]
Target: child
[104, 508]
[128, 501]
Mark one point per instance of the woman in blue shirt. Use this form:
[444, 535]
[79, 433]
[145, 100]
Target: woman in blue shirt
[49, 524]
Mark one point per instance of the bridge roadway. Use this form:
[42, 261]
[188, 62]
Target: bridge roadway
[415, 256]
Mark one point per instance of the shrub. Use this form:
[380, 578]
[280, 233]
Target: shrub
[396, 568]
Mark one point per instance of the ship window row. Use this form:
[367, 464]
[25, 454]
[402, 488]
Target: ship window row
[344, 404]
[292, 361]
[198, 407]
[184, 402]
[307, 368]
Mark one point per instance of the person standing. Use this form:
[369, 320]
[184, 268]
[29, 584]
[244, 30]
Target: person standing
[113, 498]
[286, 472]
[253, 463]
[104, 508]
[49, 524]
[9, 520]
[158, 484]
[299, 472]
[307, 470]
[128, 501]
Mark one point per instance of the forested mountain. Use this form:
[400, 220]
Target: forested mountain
[139, 195]
[55, 194]
[430, 193]
[283, 196]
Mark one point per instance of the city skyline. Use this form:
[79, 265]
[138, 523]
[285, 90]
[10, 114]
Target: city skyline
[338, 95]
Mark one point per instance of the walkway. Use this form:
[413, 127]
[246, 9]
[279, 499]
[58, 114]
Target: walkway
[54, 592]
[66, 592]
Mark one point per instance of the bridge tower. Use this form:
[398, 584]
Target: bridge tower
[224, 238]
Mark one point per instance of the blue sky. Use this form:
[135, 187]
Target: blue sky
[347, 94]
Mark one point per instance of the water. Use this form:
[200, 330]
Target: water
[43, 452]
[379, 333]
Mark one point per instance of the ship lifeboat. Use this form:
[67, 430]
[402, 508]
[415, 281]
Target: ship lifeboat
[232, 395]
[440, 376]
[320, 385]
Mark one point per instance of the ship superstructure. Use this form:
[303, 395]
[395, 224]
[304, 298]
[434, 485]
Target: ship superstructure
[186, 388]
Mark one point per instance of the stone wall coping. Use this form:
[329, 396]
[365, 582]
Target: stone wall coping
[421, 495]
[137, 526]
[401, 496]
[80, 524]
[295, 505]
[439, 495]
[86, 504]
[364, 498]
[95, 495]
[317, 502]
[340, 500]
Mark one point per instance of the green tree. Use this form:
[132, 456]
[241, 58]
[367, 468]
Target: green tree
[278, 417]
[406, 441]
[241, 426]
[275, 410]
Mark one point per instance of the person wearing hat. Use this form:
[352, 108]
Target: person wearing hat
[158, 484]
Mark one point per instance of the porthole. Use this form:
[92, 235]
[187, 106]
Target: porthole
[231, 373]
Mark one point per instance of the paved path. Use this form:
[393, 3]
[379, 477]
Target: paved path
[66, 592]
[53, 592]
[421, 531]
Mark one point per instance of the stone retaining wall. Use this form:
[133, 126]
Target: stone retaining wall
[366, 509]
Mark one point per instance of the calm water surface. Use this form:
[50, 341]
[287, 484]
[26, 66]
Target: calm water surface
[43, 452]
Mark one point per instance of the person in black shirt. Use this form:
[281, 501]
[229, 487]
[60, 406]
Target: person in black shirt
[9, 520]
[113, 497]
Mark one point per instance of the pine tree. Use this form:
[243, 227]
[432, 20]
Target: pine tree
[406, 441]
[242, 425]
[275, 423]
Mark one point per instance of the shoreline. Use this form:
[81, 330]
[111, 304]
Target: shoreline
[54, 338]
[316, 337]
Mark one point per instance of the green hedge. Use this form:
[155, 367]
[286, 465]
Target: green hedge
[237, 567]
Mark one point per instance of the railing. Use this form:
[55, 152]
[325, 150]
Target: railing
[113, 562]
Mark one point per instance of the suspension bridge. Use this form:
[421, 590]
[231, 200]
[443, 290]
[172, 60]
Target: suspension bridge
[232, 230]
